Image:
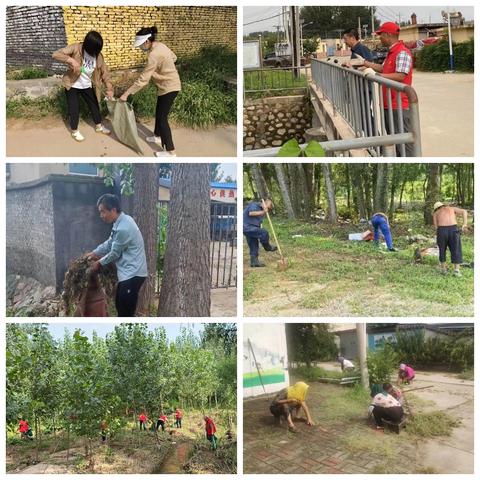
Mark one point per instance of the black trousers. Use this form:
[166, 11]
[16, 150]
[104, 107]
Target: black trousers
[142, 425]
[449, 237]
[73, 102]
[127, 296]
[161, 423]
[162, 128]
[392, 414]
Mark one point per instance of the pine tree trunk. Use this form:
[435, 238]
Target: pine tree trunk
[284, 189]
[145, 213]
[332, 205]
[186, 281]
[304, 192]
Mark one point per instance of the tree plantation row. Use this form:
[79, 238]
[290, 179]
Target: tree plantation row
[76, 383]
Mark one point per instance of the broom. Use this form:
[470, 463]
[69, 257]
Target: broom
[282, 263]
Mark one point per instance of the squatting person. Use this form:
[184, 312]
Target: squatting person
[86, 68]
[449, 235]
[254, 233]
[126, 249]
[161, 69]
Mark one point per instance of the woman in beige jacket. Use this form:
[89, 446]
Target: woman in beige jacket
[161, 69]
[86, 68]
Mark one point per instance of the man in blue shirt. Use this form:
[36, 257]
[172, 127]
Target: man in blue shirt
[125, 248]
[352, 39]
[252, 220]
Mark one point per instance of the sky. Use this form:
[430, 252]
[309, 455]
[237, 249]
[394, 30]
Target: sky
[172, 329]
[229, 169]
[424, 15]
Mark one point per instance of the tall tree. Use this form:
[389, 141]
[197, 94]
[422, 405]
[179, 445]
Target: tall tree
[186, 282]
[433, 191]
[259, 180]
[145, 201]
[282, 183]
[358, 191]
[380, 201]
[332, 204]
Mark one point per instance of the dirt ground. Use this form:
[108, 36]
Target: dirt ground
[446, 113]
[342, 441]
[223, 302]
[50, 137]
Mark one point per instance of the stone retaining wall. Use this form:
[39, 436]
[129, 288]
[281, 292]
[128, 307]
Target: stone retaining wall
[270, 122]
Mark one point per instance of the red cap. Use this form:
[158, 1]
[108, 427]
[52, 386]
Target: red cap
[388, 27]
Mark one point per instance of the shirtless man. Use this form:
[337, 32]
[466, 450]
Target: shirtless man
[448, 235]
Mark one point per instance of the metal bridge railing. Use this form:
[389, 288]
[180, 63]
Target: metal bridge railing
[359, 100]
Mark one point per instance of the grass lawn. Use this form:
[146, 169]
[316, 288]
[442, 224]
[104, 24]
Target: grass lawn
[273, 82]
[328, 275]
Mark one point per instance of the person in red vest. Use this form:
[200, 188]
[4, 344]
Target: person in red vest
[398, 66]
[142, 420]
[162, 421]
[210, 430]
[178, 418]
[24, 429]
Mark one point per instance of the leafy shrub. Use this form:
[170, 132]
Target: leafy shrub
[435, 58]
[27, 73]
[456, 351]
[382, 363]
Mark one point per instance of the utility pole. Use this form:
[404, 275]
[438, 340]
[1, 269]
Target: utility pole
[362, 353]
[359, 29]
[450, 47]
[295, 36]
[373, 21]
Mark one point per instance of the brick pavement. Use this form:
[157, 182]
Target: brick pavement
[269, 448]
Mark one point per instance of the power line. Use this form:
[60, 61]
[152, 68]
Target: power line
[263, 19]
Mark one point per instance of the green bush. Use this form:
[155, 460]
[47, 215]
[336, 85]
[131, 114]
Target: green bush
[382, 363]
[435, 58]
[454, 352]
[27, 73]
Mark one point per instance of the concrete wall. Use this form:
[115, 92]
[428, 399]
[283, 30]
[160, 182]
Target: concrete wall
[32, 34]
[184, 29]
[50, 222]
[270, 122]
[27, 172]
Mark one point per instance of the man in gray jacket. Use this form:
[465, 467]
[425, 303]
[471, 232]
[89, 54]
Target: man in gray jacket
[125, 248]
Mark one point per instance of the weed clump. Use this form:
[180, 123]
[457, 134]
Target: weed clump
[432, 424]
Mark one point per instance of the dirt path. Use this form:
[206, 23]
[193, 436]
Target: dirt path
[177, 457]
[223, 302]
[50, 138]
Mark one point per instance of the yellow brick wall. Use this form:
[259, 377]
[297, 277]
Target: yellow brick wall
[185, 30]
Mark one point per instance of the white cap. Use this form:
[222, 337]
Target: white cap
[140, 40]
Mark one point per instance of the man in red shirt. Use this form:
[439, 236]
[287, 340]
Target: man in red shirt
[178, 418]
[398, 66]
[162, 421]
[24, 428]
[142, 420]
[210, 430]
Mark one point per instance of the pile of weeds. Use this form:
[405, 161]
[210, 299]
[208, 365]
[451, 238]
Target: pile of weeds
[432, 424]
[205, 461]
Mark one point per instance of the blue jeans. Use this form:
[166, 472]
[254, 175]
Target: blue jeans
[380, 224]
[254, 235]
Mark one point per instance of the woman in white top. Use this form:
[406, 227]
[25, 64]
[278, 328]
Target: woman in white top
[87, 71]
[346, 364]
[385, 407]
